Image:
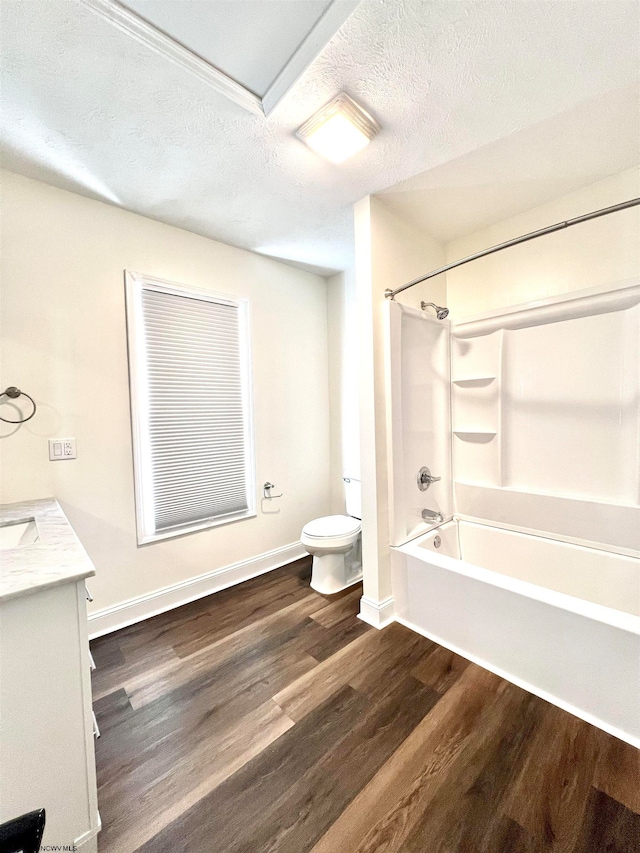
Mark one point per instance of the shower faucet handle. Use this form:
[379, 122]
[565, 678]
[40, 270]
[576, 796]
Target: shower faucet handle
[425, 479]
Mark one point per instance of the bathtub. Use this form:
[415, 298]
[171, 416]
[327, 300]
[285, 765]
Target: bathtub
[558, 619]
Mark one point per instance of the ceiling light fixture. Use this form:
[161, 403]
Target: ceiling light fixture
[339, 129]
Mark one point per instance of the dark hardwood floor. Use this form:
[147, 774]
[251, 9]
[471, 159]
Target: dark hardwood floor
[269, 719]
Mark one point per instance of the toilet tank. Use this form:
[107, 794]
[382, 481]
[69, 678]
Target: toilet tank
[352, 496]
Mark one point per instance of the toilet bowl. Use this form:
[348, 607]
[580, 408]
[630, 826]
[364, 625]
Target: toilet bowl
[334, 542]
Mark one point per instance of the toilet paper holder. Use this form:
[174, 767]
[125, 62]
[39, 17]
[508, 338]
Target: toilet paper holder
[267, 488]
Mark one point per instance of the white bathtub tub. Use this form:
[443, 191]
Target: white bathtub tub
[560, 620]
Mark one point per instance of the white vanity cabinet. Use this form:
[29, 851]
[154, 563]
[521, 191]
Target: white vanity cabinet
[46, 722]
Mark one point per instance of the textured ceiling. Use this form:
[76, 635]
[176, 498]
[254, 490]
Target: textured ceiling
[580, 146]
[88, 108]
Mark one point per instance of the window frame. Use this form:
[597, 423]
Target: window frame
[135, 283]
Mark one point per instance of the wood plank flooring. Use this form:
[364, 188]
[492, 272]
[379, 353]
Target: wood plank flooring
[269, 719]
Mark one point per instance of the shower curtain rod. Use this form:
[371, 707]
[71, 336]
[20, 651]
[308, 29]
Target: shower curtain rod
[390, 294]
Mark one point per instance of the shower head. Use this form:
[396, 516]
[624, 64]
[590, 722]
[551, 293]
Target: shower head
[441, 313]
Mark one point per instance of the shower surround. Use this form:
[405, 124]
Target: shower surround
[531, 417]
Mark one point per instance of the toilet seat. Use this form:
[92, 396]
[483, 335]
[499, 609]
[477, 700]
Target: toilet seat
[335, 543]
[332, 527]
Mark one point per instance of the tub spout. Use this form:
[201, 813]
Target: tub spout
[430, 515]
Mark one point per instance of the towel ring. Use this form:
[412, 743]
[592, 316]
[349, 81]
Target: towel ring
[13, 393]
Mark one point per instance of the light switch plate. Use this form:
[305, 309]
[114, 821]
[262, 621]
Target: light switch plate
[62, 448]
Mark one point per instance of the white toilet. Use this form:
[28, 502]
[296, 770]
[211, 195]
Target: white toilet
[335, 545]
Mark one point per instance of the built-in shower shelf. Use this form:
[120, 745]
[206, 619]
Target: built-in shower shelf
[474, 380]
[475, 434]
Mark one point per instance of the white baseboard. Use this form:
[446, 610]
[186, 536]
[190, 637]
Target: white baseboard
[377, 614]
[144, 606]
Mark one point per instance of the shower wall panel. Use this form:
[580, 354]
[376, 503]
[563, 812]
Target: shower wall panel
[570, 407]
[419, 423]
[546, 416]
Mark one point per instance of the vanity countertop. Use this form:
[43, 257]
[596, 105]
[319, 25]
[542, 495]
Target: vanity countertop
[57, 557]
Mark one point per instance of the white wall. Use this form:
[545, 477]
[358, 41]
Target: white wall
[389, 253]
[64, 341]
[343, 384]
[598, 252]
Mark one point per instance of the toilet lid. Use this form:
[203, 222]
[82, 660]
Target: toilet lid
[332, 525]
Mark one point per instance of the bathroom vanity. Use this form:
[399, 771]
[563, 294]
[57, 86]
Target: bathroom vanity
[47, 724]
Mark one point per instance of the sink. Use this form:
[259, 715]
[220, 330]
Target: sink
[17, 534]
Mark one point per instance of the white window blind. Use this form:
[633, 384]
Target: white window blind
[190, 394]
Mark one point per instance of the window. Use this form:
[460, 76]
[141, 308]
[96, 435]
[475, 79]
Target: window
[189, 369]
